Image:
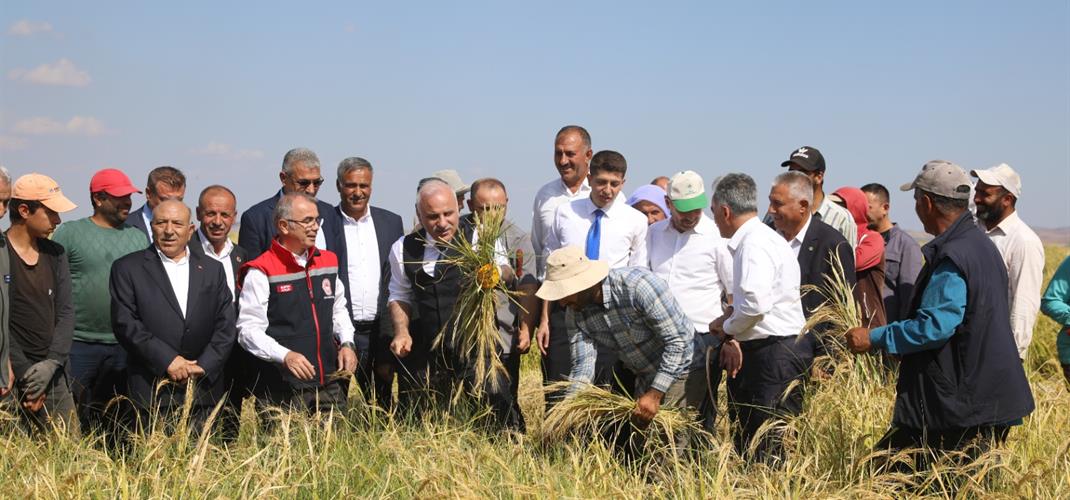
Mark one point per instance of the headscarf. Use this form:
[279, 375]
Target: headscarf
[653, 194]
[870, 246]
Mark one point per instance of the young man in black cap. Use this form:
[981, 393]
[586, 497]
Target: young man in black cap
[811, 162]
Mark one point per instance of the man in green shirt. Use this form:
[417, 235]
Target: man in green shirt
[97, 361]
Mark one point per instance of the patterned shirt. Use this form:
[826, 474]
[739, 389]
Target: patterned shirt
[638, 318]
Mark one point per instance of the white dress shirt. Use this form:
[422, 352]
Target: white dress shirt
[222, 257]
[1023, 254]
[623, 231]
[400, 287]
[146, 215]
[765, 295]
[362, 263]
[796, 243]
[695, 264]
[178, 274]
[253, 320]
[547, 199]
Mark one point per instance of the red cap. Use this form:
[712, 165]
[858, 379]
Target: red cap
[112, 181]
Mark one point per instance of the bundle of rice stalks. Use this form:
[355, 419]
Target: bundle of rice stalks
[594, 411]
[838, 312]
[472, 331]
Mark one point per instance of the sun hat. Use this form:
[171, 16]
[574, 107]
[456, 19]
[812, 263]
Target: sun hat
[569, 271]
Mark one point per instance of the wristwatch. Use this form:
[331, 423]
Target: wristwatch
[350, 345]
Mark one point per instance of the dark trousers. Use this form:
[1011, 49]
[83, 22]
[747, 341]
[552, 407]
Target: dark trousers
[317, 399]
[58, 410]
[972, 442]
[98, 375]
[505, 402]
[757, 394]
[375, 365]
[557, 363]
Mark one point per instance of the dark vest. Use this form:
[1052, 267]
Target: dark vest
[301, 308]
[976, 378]
[433, 295]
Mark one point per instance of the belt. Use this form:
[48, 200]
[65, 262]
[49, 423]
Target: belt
[750, 345]
[366, 326]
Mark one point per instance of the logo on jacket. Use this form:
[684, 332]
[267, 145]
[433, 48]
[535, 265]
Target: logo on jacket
[287, 288]
[327, 287]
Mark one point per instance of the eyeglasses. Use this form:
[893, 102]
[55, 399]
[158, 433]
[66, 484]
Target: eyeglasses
[305, 183]
[308, 223]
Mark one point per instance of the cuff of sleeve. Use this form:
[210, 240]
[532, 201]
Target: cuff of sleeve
[662, 381]
[278, 354]
[876, 337]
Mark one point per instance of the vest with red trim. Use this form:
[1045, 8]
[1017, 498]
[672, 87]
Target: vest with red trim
[300, 308]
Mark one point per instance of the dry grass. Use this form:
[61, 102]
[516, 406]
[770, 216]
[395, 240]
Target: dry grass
[370, 455]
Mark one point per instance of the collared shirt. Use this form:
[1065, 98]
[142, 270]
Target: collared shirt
[639, 319]
[695, 264]
[840, 219]
[178, 274]
[797, 242]
[222, 257]
[146, 215]
[765, 292]
[942, 309]
[400, 288]
[550, 196]
[362, 265]
[253, 319]
[1023, 254]
[623, 236]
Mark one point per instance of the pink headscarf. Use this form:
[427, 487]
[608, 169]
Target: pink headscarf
[870, 248]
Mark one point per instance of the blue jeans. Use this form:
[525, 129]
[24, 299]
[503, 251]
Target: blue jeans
[98, 374]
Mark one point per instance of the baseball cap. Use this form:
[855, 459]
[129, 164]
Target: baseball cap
[112, 181]
[1001, 175]
[687, 192]
[39, 187]
[942, 178]
[453, 179]
[807, 158]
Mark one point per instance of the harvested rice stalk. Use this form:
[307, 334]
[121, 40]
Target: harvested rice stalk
[472, 331]
[593, 410]
[839, 312]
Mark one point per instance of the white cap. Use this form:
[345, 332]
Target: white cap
[687, 192]
[453, 179]
[1001, 175]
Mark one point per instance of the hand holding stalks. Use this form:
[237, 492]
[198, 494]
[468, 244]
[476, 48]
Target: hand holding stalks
[858, 340]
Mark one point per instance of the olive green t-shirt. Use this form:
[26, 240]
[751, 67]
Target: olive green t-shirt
[91, 250]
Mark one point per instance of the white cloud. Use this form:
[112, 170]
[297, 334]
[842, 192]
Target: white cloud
[78, 125]
[10, 143]
[63, 73]
[227, 151]
[25, 27]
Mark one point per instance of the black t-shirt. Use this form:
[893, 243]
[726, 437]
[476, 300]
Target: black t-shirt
[33, 305]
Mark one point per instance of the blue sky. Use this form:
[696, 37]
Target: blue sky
[222, 89]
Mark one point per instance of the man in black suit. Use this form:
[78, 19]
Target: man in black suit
[361, 236]
[173, 312]
[165, 183]
[815, 243]
[300, 173]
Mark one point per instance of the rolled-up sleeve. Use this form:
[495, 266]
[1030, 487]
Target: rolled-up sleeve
[942, 309]
[400, 288]
[663, 316]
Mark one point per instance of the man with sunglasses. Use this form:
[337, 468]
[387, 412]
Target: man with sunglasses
[300, 174]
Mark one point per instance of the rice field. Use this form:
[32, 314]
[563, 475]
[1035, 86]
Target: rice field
[451, 455]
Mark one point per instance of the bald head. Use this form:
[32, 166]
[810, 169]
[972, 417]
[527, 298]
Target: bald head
[171, 228]
[436, 206]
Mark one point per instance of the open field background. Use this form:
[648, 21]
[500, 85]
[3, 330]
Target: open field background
[371, 455]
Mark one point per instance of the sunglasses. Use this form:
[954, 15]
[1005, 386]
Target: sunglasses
[304, 183]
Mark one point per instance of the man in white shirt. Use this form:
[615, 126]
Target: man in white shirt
[608, 230]
[765, 318]
[996, 197]
[173, 313]
[293, 313]
[688, 252]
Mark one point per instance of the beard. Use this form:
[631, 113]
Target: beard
[988, 214]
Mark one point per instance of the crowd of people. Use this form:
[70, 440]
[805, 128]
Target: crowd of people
[658, 295]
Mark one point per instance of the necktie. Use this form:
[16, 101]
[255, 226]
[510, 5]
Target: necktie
[594, 235]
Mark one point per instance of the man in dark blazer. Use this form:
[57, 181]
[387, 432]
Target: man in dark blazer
[300, 173]
[165, 183]
[346, 231]
[815, 243]
[173, 313]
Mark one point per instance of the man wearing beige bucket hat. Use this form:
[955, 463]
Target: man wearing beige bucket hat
[42, 312]
[632, 312]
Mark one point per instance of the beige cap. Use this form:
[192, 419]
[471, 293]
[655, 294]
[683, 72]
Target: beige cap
[942, 178]
[569, 271]
[39, 187]
[453, 179]
[1001, 175]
